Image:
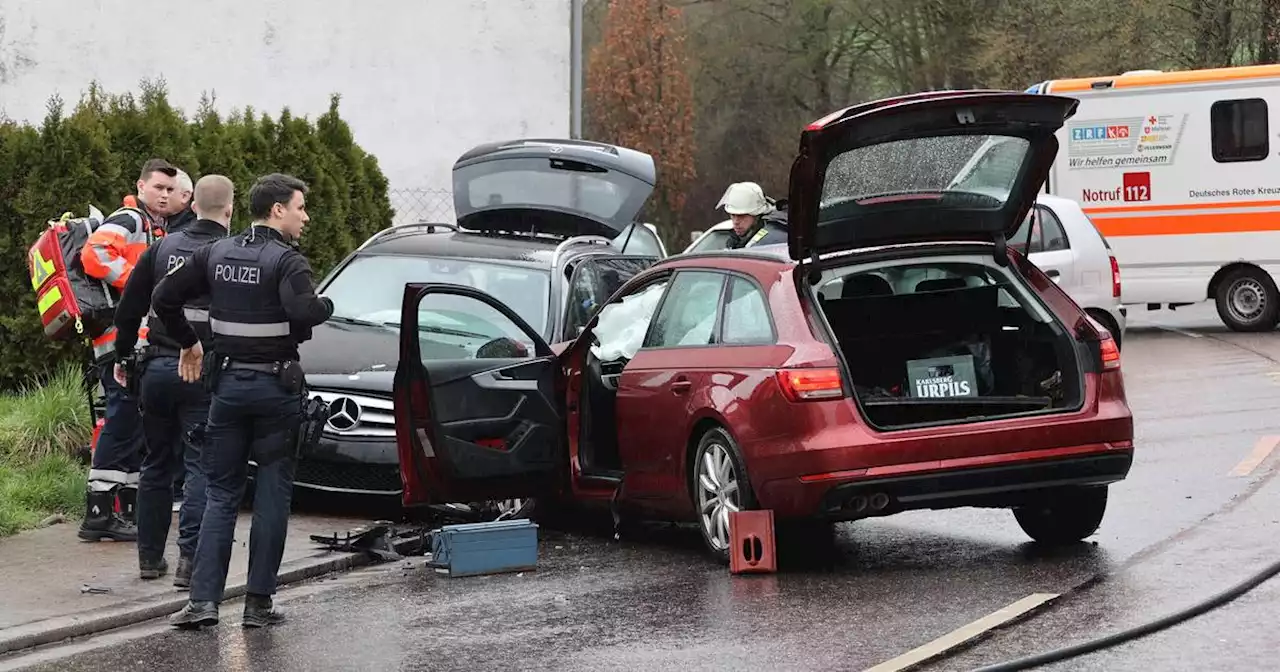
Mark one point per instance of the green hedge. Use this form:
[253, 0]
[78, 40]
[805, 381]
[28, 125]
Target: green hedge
[92, 156]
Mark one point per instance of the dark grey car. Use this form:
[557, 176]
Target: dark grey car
[549, 227]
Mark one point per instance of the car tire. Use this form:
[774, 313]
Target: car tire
[1247, 300]
[1064, 518]
[718, 485]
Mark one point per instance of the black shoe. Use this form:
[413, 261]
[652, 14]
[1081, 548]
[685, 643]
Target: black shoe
[182, 576]
[194, 615]
[259, 613]
[148, 570]
[101, 521]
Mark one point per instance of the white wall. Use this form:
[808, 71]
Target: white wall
[421, 80]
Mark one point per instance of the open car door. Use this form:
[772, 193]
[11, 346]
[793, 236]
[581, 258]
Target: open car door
[486, 427]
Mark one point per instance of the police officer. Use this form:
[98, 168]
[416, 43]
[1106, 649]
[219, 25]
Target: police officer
[756, 220]
[262, 303]
[172, 409]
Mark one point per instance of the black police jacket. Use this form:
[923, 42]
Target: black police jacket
[180, 221]
[262, 299]
[135, 303]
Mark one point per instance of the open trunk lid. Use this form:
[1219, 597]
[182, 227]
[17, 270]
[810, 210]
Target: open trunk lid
[560, 187]
[903, 170]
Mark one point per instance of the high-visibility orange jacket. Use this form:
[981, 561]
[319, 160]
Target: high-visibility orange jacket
[111, 253]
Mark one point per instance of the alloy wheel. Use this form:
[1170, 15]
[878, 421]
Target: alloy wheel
[718, 493]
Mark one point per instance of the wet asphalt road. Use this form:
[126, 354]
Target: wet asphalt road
[1181, 528]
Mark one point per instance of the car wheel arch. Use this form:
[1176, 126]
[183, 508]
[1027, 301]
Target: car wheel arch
[707, 422]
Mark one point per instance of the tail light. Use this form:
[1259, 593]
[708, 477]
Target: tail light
[811, 384]
[1110, 353]
[1115, 277]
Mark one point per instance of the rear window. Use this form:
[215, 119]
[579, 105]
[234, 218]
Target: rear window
[560, 184]
[977, 168]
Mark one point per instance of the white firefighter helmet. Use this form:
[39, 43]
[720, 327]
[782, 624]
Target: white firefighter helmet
[745, 198]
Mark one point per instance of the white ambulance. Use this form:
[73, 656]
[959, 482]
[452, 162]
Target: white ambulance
[1178, 171]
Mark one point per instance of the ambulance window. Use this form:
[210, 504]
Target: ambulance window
[1239, 129]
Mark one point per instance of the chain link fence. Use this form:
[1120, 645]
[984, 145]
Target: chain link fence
[421, 205]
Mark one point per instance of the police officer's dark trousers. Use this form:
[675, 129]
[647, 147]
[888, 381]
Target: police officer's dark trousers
[171, 410]
[251, 416]
[115, 463]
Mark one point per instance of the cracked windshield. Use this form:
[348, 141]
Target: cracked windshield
[370, 291]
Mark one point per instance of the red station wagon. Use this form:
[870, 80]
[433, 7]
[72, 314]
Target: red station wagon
[896, 354]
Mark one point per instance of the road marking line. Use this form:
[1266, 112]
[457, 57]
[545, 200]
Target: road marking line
[963, 634]
[1260, 452]
[1176, 330]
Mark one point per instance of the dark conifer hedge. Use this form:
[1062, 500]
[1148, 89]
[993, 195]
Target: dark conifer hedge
[92, 156]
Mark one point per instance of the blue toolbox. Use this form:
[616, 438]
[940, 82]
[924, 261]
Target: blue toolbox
[472, 549]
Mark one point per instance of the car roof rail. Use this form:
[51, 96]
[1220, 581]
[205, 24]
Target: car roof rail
[420, 224]
[589, 239]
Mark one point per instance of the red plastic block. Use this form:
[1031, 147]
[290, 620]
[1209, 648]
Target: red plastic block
[751, 547]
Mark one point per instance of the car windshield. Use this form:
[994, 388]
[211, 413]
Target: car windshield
[713, 240]
[978, 170]
[370, 289]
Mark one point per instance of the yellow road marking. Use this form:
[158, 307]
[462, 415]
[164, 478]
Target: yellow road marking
[1260, 452]
[963, 634]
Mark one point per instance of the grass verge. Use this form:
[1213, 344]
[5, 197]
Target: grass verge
[42, 426]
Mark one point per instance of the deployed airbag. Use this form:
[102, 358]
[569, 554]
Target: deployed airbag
[621, 328]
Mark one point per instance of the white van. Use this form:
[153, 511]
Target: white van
[1177, 171]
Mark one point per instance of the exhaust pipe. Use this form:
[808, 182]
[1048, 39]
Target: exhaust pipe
[858, 504]
[879, 501]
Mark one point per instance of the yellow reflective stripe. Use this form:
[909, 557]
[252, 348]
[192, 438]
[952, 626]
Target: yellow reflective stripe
[46, 300]
[756, 238]
[41, 269]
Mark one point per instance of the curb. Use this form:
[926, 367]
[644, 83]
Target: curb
[59, 628]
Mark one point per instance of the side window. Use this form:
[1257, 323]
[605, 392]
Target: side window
[1047, 234]
[1052, 236]
[452, 327]
[1030, 226]
[593, 282]
[1239, 130]
[746, 315]
[688, 314]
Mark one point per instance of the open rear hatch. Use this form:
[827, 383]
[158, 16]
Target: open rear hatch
[558, 187]
[935, 333]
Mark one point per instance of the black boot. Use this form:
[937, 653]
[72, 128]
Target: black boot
[182, 575]
[128, 504]
[194, 615]
[101, 521]
[259, 613]
[152, 569]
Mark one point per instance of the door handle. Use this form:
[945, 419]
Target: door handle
[681, 386]
[1053, 273]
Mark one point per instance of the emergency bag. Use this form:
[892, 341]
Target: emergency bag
[71, 302]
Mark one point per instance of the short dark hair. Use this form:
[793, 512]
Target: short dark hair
[272, 189]
[157, 165]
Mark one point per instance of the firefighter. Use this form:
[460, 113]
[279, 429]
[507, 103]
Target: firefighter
[753, 215]
[109, 255]
[262, 304]
[172, 410]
